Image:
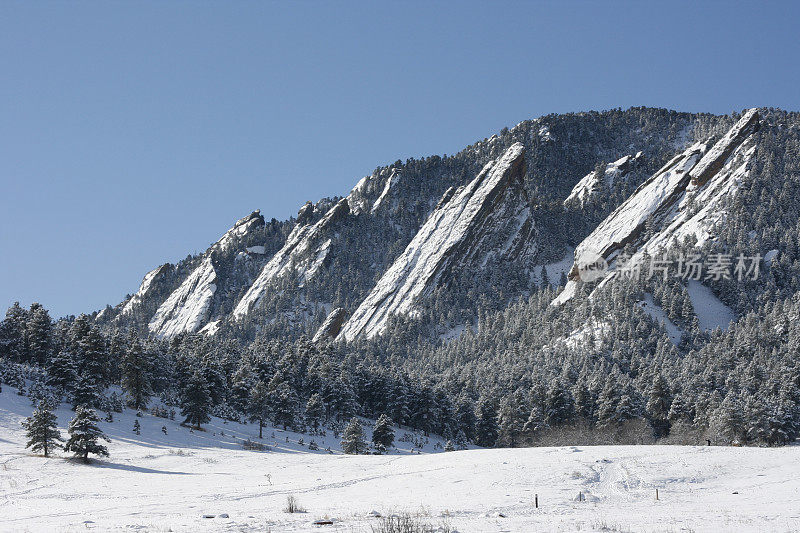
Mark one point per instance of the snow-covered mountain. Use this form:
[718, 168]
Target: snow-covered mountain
[454, 228]
[685, 198]
[426, 294]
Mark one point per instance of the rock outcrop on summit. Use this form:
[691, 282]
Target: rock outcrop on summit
[303, 254]
[186, 310]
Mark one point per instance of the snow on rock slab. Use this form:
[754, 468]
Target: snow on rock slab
[304, 252]
[488, 218]
[257, 250]
[593, 183]
[683, 198]
[388, 187]
[186, 309]
[150, 279]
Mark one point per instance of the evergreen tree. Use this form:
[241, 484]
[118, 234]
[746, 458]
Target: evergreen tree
[486, 425]
[383, 433]
[448, 446]
[12, 334]
[584, 401]
[284, 402]
[627, 408]
[511, 420]
[679, 410]
[545, 278]
[535, 424]
[78, 331]
[61, 372]
[728, 419]
[258, 407]
[607, 403]
[135, 376]
[560, 404]
[137, 428]
[353, 440]
[85, 392]
[93, 361]
[658, 404]
[39, 334]
[315, 411]
[85, 436]
[465, 418]
[117, 349]
[243, 381]
[461, 440]
[341, 398]
[42, 430]
[398, 403]
[196, 401]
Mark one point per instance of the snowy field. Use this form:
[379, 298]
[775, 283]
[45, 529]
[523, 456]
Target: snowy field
[157, 482]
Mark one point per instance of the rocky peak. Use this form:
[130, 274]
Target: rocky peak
[595, 182]
[708, 175]
[187, 308]
[488, 219]
[304, 252]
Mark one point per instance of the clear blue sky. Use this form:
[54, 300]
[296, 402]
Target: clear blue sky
[134, 133]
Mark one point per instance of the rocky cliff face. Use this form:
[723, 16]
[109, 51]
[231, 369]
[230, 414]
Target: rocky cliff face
[489, 218]
[149, 283]
[303, 254]
[668, 202]
[595, 183]
[423, 230]
[186, 310]
[330, 329]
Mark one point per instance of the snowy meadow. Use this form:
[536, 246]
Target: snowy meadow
[185, 480]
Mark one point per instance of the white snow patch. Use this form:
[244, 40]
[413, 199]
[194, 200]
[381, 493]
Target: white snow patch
[544, 133]
[554, 270]
[657, 313]
[589, 335]
[453, 333]
[211, 328]
[710, 311]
